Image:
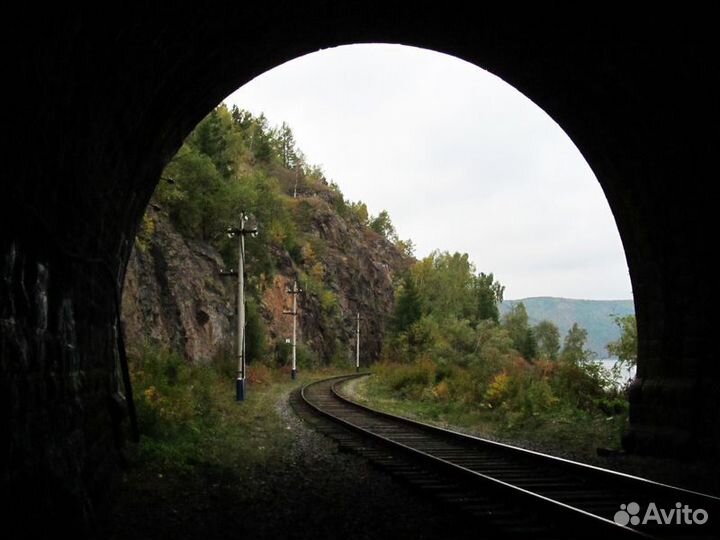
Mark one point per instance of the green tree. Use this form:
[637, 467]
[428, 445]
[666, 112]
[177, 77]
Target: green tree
[573, 351]
[382, 224]
[516, 323]
[529, 345]
[494, 348]
[210, 138]
[260, 140]
[625, 347]
[241, 118]
[420, 337]
[487, 293]
[360, 210]
[255, 332]
[406, 247]
[407, 307]
[284, 141]
[445, 282]
[548, 340]
[195, 202]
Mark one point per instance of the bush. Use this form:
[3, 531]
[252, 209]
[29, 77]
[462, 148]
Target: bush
[173, 397]
[408, 380]
[582, 385]
[441, 391]
[535, 397]
[259, 373]
[497, 390]
[304, 357]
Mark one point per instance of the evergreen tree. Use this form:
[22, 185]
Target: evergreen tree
[285, 142]
[210, 138]
[408, 308]
[488, 294]
[242, 118]
[528, 347]
[260, 143]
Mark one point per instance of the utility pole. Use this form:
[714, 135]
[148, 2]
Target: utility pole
[296, 183]
[294, 291]
[240, 233]
[357, 344]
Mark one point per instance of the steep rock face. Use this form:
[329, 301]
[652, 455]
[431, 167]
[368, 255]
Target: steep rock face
[174, 295]
[356, 268]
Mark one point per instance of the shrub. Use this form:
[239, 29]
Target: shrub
[259, 373]
[408, 380]
[441, 391]
[174, 397]
[536, 397]
[497, 390]
[583, 385]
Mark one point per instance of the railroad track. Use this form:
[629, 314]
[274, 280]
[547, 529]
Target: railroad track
[510, 491]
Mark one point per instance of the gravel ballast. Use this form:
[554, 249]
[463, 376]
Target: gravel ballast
[312, 491]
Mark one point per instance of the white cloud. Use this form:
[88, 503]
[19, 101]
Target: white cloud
[461, 160]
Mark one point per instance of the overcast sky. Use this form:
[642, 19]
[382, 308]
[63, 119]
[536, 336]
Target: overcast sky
[461, 160]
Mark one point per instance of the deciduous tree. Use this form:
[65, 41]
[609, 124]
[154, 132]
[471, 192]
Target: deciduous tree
[625, 347]
[548, 340]
[517, 325]
[573, 350]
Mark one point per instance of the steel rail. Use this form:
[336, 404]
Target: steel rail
[561, 514]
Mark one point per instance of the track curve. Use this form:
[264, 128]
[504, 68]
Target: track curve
[516, 492]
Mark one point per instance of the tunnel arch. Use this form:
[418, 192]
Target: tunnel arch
[104, 99]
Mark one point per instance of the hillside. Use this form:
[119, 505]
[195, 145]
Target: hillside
[593, 315]
[174, 296]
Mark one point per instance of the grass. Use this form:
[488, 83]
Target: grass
[190, 420]
[210, 467]
[562, 431]
[199, 448]
[188, 414]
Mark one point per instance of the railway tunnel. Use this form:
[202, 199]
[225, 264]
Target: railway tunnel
[98, 100]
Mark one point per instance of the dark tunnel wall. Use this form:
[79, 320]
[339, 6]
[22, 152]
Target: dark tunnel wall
[98, 101]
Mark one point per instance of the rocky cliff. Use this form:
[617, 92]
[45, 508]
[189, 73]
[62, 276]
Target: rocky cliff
[174, 295]
[356, 268]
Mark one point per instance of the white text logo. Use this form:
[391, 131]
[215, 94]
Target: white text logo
[679, 515]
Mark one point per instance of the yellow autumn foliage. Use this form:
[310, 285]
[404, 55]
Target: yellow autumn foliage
[441, 391]
[497, 390]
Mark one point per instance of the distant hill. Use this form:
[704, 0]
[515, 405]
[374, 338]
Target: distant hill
[593, 315]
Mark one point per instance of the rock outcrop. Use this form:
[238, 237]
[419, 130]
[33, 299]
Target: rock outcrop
[357, 268]
[174, 295]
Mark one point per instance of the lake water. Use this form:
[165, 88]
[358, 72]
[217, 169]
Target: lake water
[625, 375]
